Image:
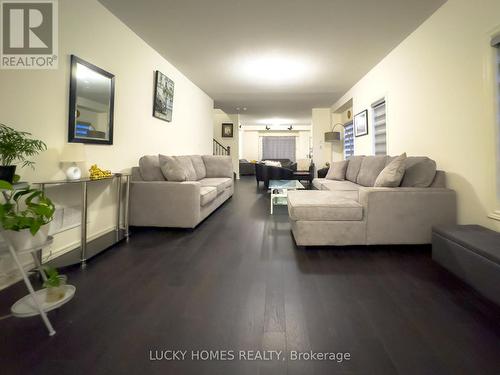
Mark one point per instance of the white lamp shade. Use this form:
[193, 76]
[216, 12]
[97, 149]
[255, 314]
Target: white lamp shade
[73, 153]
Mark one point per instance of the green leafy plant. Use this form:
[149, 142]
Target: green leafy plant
[53, 278]
[17, 147]
[24, 209]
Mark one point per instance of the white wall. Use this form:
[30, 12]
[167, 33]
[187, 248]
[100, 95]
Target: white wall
[220, 117]
[321, 123]
[439, 84]
[37, 101]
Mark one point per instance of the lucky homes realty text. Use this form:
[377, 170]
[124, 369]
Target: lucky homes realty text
[246, 355]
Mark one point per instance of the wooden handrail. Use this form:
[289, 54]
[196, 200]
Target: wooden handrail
[220, 149]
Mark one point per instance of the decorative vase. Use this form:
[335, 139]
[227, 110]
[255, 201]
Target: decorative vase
[7, 173]
[56, 293]
[23, 239]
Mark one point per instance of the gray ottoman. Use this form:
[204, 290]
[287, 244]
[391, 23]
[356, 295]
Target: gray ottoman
[324, 217]
[472, 253]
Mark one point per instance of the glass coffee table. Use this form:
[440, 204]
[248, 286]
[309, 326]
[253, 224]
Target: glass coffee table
[279, 191]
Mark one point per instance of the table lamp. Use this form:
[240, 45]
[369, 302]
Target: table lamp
[73, 153]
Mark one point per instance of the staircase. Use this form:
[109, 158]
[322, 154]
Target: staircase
[219, 149]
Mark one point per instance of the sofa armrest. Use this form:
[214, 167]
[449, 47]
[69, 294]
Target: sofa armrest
[406, 215]
[165, 203]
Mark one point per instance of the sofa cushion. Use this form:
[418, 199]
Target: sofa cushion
[207, 194]
[149, 168]
[419, 172]
[187, 164]
[337, 170]
[371, 166]
[220, 183]
[218, 166]
[322, 206]
[353, 168]
[172, 168]
[199, 166]
[325, 184]
[393, 173]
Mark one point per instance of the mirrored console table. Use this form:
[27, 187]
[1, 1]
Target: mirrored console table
[88, 249]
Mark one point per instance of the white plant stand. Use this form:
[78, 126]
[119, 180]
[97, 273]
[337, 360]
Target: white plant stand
[34, 303]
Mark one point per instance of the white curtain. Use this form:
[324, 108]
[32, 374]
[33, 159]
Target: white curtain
[278, 148]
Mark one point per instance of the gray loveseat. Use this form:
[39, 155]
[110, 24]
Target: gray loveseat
[353, 212]
[156, 202]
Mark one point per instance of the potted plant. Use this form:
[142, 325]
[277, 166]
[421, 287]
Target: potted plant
[55, 285]
[16, 147]
[24, 216]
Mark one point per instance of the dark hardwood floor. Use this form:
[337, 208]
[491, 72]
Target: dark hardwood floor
[238, 282]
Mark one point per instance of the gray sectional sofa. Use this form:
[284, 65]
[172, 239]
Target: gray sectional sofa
[354, 212]
[158, 202]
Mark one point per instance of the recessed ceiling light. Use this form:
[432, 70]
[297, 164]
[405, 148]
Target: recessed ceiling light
[274, 69]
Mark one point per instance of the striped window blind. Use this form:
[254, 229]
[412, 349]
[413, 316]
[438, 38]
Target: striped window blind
[379, 127]
[348, 140]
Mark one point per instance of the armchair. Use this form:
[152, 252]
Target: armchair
[265, 173]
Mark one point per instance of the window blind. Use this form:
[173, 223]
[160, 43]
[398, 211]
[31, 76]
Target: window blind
[379, 128]
[278, 148]
[348, 140]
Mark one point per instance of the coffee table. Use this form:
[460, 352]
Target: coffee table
[279, 191]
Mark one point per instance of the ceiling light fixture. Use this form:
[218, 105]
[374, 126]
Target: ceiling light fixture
[274, 69]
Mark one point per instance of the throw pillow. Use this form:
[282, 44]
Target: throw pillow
[149, 167]
[187, 164]
[420, 172]
[337, 170]
[172, 169]
[272, 163]
[393, 173]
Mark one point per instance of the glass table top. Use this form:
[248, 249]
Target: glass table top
[285, 184]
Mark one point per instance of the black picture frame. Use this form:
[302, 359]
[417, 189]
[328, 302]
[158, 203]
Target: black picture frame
[227, 130]
[163, 107]
[73, 87]
[360, 123]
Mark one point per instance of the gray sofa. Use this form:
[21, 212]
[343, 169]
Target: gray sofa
[156, 202]
[353, 212]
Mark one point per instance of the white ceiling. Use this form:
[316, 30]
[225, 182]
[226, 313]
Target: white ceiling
[336, 42]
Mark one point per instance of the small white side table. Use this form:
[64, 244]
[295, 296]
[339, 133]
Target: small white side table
[278, 198]
[34, 303]
[279, 191]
